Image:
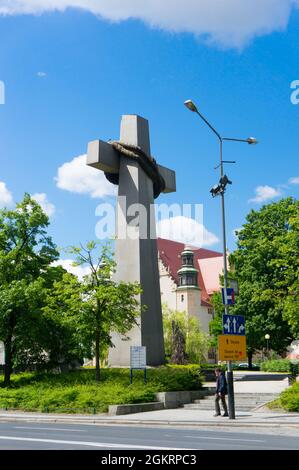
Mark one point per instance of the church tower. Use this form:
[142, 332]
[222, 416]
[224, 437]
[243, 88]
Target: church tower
[188, 274]
[188, 291]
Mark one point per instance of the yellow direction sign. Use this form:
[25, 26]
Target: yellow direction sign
[231, 347]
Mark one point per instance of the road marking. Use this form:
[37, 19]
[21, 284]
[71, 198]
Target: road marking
[88, 444]
[224, 439]
[49, 429]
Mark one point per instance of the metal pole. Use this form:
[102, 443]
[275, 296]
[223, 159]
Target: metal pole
[230, 377]
[192, 107]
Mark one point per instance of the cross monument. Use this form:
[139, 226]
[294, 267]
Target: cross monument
[136, 256]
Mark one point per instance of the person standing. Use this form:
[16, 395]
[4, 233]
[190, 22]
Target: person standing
[221, 391]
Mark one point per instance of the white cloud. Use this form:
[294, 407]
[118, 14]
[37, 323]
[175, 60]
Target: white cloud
[77, 177]
[185, 230]
[42, 200]
[264, 193]
[294, 180]
[41, 74]
[6, 198]
[68, 265]
[230, 23]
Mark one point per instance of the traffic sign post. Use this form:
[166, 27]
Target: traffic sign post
[231, 347]
[233, 325]
[228, 296]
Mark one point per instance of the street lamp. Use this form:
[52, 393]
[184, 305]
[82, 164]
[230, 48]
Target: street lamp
[219, 190]
[267, 337]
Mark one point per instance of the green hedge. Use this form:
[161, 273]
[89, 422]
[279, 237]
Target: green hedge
[211, 367]
[289, 399]
[77, 392]
[276, 365]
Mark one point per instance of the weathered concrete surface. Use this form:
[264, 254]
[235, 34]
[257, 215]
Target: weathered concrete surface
[136, 252]
[176, 399]
[116, 410]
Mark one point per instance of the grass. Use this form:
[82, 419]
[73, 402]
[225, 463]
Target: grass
[77, 392]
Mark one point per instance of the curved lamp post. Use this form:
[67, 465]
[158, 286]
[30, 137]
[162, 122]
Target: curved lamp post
[220, 190]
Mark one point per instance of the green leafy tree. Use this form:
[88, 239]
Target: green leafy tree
[290, 303]
[26, 252]
[95, 306]
[178, 344]
[195, 341]
[216, 322]
[266, 266]
[61, 340]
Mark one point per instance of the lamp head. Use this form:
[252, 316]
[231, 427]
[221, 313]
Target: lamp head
[224, 181]
[191, 106]
[252, 141]
[214, 191]
[220, 188]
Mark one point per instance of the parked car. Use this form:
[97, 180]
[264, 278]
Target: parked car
[245, 366]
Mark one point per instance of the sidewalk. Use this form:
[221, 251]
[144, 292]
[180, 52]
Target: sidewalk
[173, 417]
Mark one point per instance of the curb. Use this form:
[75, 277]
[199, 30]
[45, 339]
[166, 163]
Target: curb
[126, 422]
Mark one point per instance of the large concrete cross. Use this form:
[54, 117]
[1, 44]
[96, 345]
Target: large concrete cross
[136, 257]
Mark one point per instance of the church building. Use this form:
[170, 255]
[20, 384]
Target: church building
[188, 278]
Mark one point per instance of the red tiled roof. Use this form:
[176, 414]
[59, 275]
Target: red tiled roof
[170, 255]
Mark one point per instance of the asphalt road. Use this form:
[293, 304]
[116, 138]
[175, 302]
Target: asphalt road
[33, 436]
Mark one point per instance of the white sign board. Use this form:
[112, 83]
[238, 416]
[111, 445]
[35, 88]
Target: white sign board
[138, 357]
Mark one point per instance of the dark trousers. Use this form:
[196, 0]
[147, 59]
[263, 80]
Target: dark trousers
[217, 406]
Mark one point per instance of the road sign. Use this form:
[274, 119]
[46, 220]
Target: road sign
[228, 296]
[233, 325]
[138, 360]
[231, 348]
[138, 357]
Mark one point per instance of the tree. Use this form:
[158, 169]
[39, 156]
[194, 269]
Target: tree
[26, 253]
[191, 343]
[61, 341]
[290, 303]
[216, 323]
[96, 306]
[178, 344]
[266, 267]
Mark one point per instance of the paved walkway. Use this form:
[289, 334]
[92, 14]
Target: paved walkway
[176, 417]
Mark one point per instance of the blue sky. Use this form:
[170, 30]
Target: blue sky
[70, 75]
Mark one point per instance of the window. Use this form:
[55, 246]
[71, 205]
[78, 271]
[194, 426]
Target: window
[182, 298]
[188, 279]
[187, 260]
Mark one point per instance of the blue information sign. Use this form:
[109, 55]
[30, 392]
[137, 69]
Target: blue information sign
[233, 325]
[228, 296]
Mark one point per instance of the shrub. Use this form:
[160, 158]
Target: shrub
[289, 399]
[278, 365]
[77, 391]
